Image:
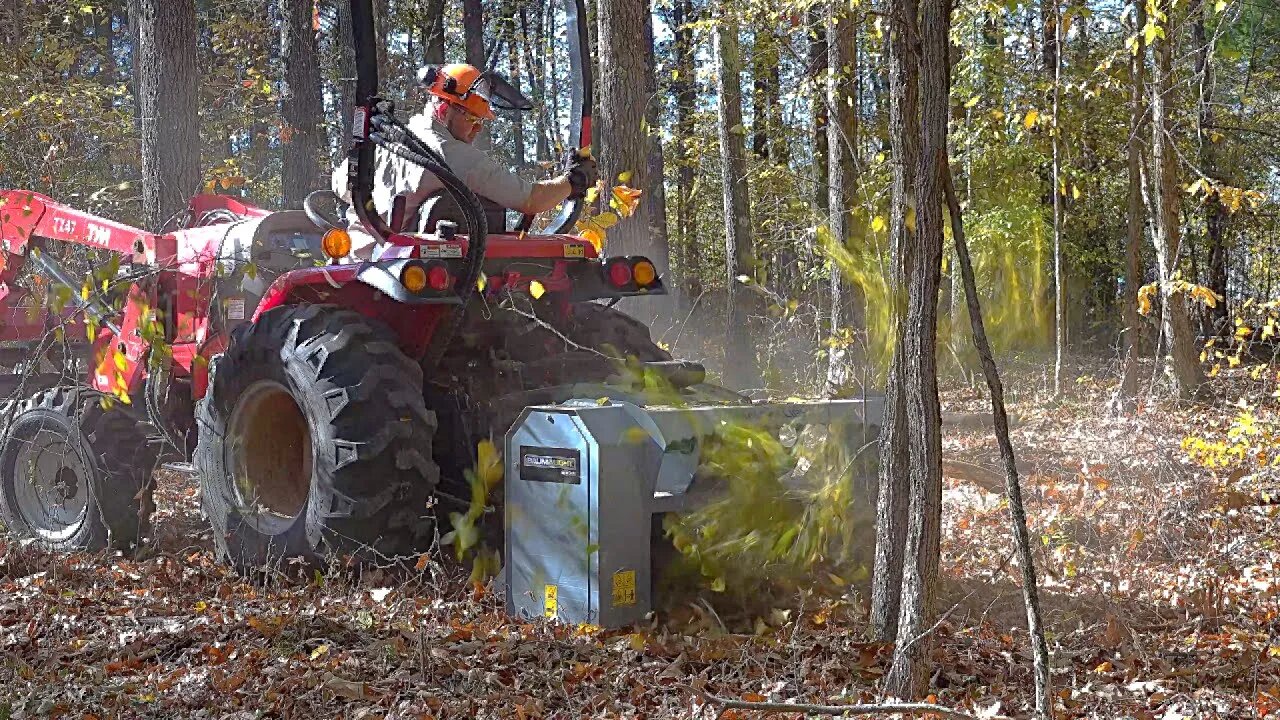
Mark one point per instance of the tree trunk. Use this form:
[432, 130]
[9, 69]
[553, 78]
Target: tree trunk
[1185, 366]
[621, 139]
[817, 70]
[473, 31]
[657, 170]
[686, 98]
[1137, 218]
[908, 674]
[167, 98]
[432, 32]
[1049, 36]
[382, 32]
[344, 71]
[842, 180]
[1054, 21]
[514, 42]
[1215, 216]
[741, 369]
[1013, 489]
[764, 64]
[301, 139]
[891, 505]
[533, 55]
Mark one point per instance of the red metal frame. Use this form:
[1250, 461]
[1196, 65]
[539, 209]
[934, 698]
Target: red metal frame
[187, 265]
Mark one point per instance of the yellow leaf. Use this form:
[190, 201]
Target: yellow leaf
[1075, 192]
[972, 101]
[320, 652]
[878, 224]
[1145, 295]
[536, 289]
[625, 176]
[1030, 120]
[593, 235]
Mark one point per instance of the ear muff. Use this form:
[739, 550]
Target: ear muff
[451, 86]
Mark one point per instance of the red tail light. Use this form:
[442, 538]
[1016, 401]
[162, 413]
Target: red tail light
[438, 278]
[619, 273]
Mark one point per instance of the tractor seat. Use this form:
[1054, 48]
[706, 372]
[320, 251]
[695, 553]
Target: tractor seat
[440, 205]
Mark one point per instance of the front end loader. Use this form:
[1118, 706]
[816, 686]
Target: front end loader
[333, 406]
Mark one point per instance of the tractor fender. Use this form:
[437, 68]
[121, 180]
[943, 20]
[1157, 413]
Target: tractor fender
[381, 276]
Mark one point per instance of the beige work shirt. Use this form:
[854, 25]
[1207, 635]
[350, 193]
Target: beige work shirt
[396, 176]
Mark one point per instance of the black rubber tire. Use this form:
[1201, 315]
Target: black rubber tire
[372, 473]
[106, 445]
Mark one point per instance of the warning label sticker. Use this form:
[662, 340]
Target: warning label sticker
[550, 595]
[234, 308]
[574, 250]
[624, 588]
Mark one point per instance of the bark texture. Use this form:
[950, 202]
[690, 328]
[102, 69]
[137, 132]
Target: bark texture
[301, 139]
[433, 32]
[623, 143]
[167, 102]
[891, 510]
[1216, 218]
[686, 227]
[817, 70]
[1054, 17]
[741, 368]
[842, 180]
[344, 58]
[657, 170]
[473, 31]
[1133, 275]
[907, 675]
[1179, 334]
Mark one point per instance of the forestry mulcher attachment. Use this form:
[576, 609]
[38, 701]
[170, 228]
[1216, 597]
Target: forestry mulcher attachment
[332, 406]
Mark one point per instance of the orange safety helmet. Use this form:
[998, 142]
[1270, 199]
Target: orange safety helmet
[462, 85]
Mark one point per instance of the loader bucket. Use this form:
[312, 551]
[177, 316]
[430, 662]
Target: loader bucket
[598, 491]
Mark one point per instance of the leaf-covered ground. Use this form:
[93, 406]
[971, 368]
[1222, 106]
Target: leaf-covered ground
[1159, 586]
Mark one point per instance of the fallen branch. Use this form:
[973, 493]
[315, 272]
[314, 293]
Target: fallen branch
[837, 710]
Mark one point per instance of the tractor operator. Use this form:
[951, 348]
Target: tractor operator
[449, 124]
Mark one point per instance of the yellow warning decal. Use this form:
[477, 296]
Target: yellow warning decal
[549, 596]
[574, 250]
[624, 588]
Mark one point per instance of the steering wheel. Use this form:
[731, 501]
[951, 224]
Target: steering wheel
[316, 212]
[565, 219]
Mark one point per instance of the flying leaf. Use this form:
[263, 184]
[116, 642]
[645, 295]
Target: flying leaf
[878, 224]
[536, 289]
[1029, 120]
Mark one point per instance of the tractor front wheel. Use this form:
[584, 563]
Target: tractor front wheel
[75, 474]
[314, 439]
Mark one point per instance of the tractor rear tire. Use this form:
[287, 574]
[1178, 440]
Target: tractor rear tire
[76, 475]
[314, 441]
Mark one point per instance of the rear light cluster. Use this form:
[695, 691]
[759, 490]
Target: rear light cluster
[421, 277]
[633, 273]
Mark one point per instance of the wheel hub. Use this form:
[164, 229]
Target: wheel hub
[270, 446]
[50, 492]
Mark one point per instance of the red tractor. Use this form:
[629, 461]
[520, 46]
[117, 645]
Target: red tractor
[326, 403]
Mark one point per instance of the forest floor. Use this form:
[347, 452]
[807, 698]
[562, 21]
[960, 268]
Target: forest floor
[1159, 586]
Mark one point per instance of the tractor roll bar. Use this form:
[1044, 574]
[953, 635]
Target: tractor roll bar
[374, 124]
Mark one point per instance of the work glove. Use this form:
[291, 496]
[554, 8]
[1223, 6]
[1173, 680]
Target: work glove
[582, 173]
